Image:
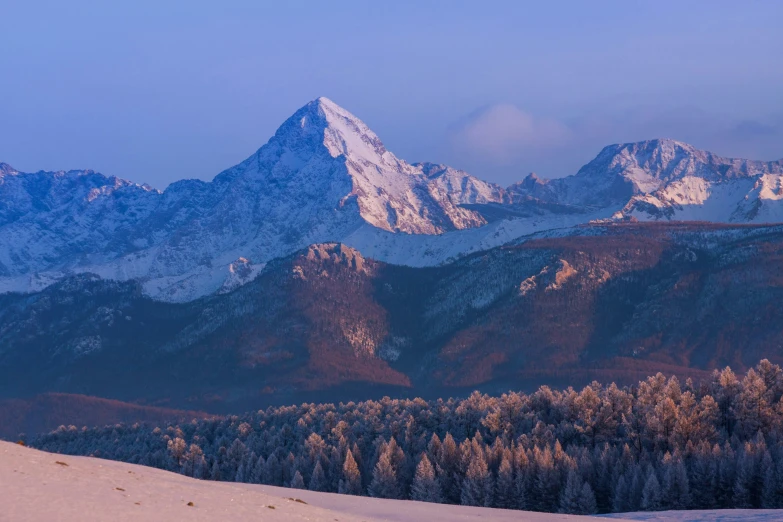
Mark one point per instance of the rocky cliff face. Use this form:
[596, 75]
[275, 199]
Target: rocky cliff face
[611, 301]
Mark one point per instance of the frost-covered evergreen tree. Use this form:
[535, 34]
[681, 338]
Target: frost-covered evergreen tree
[384, 479]
[449, 470]
[504, 489]
[772, 486]
[351, 482]
[651, 494]
[477, 487]
[318, 478]
[586, 504]
[620, 500]
[241, 475]
[426, 487]
[658, 445]
[676, 489]
[177, 449]
[257, 476]
[570, 496]
[547, 481]
[297, 482]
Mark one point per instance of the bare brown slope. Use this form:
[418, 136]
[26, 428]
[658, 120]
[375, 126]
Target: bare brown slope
[638, 299]
[48, 411]
[309, 323]
[614, 303]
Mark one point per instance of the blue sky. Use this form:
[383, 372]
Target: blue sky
[159, 91]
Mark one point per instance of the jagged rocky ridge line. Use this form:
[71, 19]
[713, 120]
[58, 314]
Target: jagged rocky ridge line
[325, 176]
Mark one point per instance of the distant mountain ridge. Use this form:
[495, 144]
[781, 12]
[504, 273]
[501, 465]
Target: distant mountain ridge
[615, 301]
[325, 176]
[668, 179]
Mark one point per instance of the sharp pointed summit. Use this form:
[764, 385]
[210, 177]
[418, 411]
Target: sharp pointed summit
[325, 176]
[6, 169]
[323, 122]
[329, 153]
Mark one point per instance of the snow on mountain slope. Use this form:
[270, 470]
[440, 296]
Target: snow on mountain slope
[321, 177]
[421, 250]
[668, 179]
[458, 186]
[325, 176]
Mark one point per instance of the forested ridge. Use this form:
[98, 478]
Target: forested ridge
[662, 444]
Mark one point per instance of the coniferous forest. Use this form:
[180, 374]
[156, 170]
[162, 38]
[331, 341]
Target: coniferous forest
[662, 444]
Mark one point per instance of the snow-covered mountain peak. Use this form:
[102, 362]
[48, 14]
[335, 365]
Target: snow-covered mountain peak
[6, 170]
[324, 123]
[329, 154]
[663, 160]
[326, 177]
[669, 179]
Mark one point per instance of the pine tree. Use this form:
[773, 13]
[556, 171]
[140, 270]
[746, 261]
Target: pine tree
[426, 487]
[477, 488]
[177, 450]
[743, 483]
[351, 483]
[771, 488]
[384, 479]
[620, 497]
[259, 471]
[449, 472]
[214, 474]
[235, 457]
[240, 474]
[290, 466]
[274, 471]
[521, 479]
[504, 495]
[704, 473]
[193, 465]
[318, 478]
[586, 503]
[546, 485]
[399, 462]
[569, 497]
[651, 494]
[635, 489]
[680, 492]
[297, 482]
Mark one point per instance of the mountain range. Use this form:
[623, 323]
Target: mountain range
[607, 301]
[323, 267]
[326, 177]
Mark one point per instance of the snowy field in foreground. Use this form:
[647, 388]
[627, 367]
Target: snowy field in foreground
[40, 486]
[35, 487]
[719, 515]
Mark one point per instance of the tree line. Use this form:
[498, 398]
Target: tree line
[661, 444]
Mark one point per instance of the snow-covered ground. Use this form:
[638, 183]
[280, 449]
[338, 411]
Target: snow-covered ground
[40, 486]
[718, 515]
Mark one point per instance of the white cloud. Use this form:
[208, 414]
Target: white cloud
[503, 133]
[503, 143]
